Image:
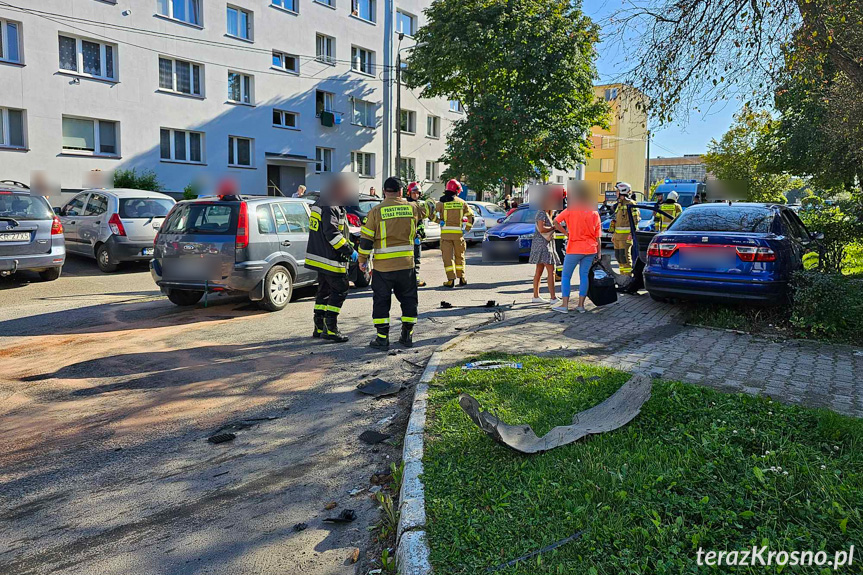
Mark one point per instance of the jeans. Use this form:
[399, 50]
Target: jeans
[569, 263]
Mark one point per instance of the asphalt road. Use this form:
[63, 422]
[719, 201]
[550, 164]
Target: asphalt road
[108, 393]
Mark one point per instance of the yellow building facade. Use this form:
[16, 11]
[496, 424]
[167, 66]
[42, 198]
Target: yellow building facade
[619, 152]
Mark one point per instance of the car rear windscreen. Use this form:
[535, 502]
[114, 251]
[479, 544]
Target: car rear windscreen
[724, 218]
[131, 208]
[521, 217]
[367, 205]
[212, 219]
[21, 207]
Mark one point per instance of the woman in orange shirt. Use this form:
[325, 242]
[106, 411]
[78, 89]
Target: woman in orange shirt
[583, 230]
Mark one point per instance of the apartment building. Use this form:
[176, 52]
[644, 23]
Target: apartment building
[686, 167]
[273, 93]
[619, 152]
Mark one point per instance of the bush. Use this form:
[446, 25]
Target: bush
[146, 180]
[191, 191]
[828, 305]
[841, 225]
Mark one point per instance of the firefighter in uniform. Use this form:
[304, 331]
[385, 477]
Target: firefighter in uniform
[670, 206]
[389, 232]
[427, 207]
[452, 211]
[329, 253]
[620, 228]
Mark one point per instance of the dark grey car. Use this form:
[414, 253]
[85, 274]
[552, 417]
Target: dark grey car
[251, 245]
[31, 236]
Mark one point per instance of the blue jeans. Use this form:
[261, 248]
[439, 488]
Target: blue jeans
[569, 263]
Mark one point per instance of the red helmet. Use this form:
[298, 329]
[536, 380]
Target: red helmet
[453, 186]
[413, 186]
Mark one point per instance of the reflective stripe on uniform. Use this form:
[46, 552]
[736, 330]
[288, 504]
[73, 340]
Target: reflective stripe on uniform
[621, 230]
[390, 255]
[320, 307]
[409, 319]
[367, 232]
[383, 237]
[333, 308]
[381, 320]
[337, 243]
[326, 263]
[449, 268]
[364, 252]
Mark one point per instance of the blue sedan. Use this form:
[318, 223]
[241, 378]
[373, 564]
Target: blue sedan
[512, 238]
[728, 252]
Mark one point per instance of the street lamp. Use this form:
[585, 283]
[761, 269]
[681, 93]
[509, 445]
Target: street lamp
[399, 101]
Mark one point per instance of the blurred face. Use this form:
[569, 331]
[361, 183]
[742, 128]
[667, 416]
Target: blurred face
[415, 194]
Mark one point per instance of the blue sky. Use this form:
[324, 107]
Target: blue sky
[689, 136]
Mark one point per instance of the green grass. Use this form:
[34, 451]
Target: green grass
[692, 470]
[740, 317]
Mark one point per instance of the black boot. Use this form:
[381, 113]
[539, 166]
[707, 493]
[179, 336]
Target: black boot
[319, 325]
[407, 337]
[331, 330]
[462, 281]
[382, 339]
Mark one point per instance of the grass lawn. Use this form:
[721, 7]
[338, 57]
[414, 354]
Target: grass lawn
[696, 468]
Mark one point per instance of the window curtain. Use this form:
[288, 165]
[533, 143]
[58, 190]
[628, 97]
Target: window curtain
[79, 134]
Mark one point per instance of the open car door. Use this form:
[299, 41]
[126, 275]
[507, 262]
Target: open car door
[640, 241]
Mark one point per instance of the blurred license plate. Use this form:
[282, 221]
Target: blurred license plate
[147, 252]
[707, 258]
[15, 237]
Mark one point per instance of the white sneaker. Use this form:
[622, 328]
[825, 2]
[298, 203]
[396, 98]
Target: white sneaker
[580, 309]
[560, 309]
[539, 300]
[555, 302]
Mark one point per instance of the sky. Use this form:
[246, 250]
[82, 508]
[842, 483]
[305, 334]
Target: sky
[689, 136]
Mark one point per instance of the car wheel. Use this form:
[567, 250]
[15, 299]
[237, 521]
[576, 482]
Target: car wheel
[184, 297]
[363, 279]
[103, 259]
[278, 287]
[50, 274]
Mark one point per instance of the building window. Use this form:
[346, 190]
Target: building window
[406, 23]
[408, 122]
[323, 102]
[188, 11]
[87, 58]
[323, 160]
[180, 76]
[610, 94]
[10, 42]
[408, 169]
[364, 9]
[86, 136]
[363, 164]
[455, 106]
[289, 5]
[181, 146]
[433, 127]
[239, 88]
[330, 3]
[283, 119]
[432, 171]
[325, 49]
[606, 165]
[363, 113]
[607, 143]
[559, 179]
[240, 151]
[239, 23]
[362, 60]
[286, 62]
[12, 128]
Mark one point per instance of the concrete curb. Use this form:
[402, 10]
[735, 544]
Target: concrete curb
[412, 550]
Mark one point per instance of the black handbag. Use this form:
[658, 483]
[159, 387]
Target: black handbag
[601, 288]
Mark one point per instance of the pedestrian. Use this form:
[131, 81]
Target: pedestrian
[373, 192]
[620, 226]
[301, 191]
[330, 253]
[583, 230]
[670, 207]
[389, 232]
[542, 250]
[456, 218]
[507, 202]
[415, 196]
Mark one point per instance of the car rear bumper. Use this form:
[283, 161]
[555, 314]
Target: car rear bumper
[714, 289]
[37, 262]
[124, 250]
[245, 277]
[505, 249]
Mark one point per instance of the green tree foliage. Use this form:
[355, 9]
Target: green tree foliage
[144, 180]
[738, 159]
[524, 72]
[841, 224]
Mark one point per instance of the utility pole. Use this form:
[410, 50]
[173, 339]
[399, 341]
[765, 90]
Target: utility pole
[399, 101]
[647, 171]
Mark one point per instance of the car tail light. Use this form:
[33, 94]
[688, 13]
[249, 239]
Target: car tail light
[753, 254]
[116, 225]
[243, 226]
[56, 227]
[661, 250]
[354, 220]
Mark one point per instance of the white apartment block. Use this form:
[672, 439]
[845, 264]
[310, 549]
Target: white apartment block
[270, 92]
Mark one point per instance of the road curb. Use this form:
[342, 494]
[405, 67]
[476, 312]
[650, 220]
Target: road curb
[412, 550]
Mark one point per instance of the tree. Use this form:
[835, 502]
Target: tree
[523, 70]
[145, 180]
[739, 159]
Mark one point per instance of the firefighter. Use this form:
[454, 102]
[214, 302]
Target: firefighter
[670, 206]
[620, 228]
[389, 232]
[452, 212]
[330, 253]
[427, 207]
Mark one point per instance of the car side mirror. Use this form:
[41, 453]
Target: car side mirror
[56, 211]
[816, 235]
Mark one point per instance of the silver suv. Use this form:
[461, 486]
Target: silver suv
[249, 245]
[31, 236]
[114, 225]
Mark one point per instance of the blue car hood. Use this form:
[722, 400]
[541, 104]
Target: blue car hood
[505, 230]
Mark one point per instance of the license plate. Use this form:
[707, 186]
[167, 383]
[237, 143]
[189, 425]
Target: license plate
[707, 259]
[15, 237]
[147, 252]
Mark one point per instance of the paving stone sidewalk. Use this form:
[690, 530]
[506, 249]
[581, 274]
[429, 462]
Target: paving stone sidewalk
[638, 334]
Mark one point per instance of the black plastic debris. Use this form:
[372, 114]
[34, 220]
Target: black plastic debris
[379, 388]
[445, 305]
[372, 437]
[491, 303]
[533, 554]
[221, 438]
[300, 527]
[346, 516]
